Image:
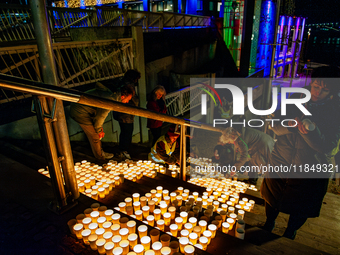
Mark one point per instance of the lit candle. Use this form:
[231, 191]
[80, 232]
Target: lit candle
[99, 232]
[145, 241]
[157, 214]
[115, 218]
[100, 221]
[193, 221]
[116, 240]
[150, 252]
[203, 225]
[92, 240]
[124, 232]
[240, 214]
[139, 249]
[151, 220]
[165, 251]
[100, 246]
[132, 238]
[80, 217]
[193, 238]
[159, 189]
[179, 199]
[85, 234]
[93, 226]
[135, 197]
[160, 224]
[188, 226]
[204, 242]
[142, 230]
[225, 227]
[139, 215]
[157, 246]
[212, 228]
[179, 222]
[131, 225]
[145, 210]
[231, 223]
[173, 196]
[189, 250]
[174, 229]
[115, 229]
[167, 218]
[86, 222]
[136, 205]
[208, 235]
[124, 244]
[184, 216]
[122, 206]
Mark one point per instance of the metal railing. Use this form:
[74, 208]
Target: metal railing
[181, 101]
[16, 21]
[78, 63]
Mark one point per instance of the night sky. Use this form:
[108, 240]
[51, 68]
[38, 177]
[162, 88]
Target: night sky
[318, 10]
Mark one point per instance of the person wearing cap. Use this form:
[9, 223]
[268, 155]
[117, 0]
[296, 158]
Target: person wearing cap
[300, 193]
[91, 119]
[166, 149]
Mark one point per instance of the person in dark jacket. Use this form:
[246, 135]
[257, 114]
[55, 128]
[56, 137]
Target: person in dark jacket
[156, 103]
[126, 120]
[166, 149]
[91, 119]
[300, 194]
[252, 146]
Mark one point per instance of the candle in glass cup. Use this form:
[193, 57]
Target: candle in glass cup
[212, 228]
[99, 232]
[179, 222]
[88, 211]
[167, 218]
[173, 196]
[107, 226]
[115, 218]
[180, 190]
[124, 232]
[122, 206]
[116, 240]
[107, 236]
[246, 208]
[135, 197]
[165, 251]
[143, 201]
[164, 208]
[193, 238]
[160, 224]
[128, 201]
[100, 245]
[157, 214]
[231, 223]
[124, 244]
[156, 247]
[138, 249]
[132, 238]
[193, 221]
[151, 220]
[142, 230]
[139, 215]
[146, 210]
[158, 196]
[183, 241]
[80, 217]
[123, 222]
[208, 235]
[115, 229]
[85, 234]
[131, 226]
[173, 230]
[225, 227]
[100, 221]
[108, 214]
[153, 193]
[145, 241]
[86, 222]
[172, 211]
[136, 205]
[203, 225]
[179, 199]
[188, 226]
[184, 216]
[92, 240]
[93, 226]
[189, 250]
[159, 189]
[204, 242]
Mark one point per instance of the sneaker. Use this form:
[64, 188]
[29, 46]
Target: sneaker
[107, 155]
[126, 155]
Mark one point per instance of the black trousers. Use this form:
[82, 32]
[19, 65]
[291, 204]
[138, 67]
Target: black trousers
[156, 133]
[125, 137]
[294, 223]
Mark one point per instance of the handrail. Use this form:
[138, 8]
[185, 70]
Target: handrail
[94, 101]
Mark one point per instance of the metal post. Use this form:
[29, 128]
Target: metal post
[49, 74]
[183, 152]
[137, 35]
[47, 137]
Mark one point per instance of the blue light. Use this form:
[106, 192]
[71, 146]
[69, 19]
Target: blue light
[191, 7]
[66, 3]
[266, 37]
[82, 4]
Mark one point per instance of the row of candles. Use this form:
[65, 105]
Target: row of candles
[97, 181]
[190, 230]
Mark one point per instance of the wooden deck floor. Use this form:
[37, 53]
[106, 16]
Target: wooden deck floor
[321, 233]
